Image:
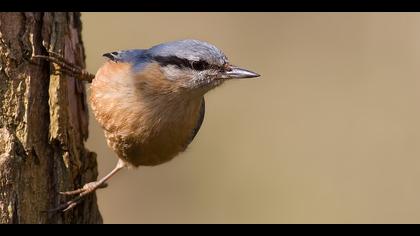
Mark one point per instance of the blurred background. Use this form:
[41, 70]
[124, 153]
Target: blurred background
[330, 133]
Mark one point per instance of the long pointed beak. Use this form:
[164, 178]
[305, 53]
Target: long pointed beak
[239, 73]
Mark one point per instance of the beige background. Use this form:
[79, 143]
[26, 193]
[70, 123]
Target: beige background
[329, 134]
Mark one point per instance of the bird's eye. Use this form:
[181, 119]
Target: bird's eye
[199, 65]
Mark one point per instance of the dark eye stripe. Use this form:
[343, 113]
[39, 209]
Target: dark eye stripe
[172, 60]
[182, 63]
[200, 65]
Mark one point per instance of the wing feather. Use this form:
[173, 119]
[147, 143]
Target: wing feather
[199, 121]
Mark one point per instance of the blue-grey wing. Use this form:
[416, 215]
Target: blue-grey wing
[137, 57]
[132, 55]
[199, 121]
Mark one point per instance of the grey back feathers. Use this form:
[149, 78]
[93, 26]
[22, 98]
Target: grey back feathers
[127, 55]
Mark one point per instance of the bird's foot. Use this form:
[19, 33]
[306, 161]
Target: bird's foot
[87, 189]
[81, 192]
[66, 66]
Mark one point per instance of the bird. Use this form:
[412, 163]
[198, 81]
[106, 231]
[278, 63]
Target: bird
[150, 102]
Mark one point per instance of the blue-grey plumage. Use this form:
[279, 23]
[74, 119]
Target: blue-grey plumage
[192, 50]
[126, 55]
[150, 102]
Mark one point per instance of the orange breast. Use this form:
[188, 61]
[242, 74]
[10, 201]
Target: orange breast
[147, 119]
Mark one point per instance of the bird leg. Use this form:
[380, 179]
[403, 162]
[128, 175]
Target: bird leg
[67, 67]
[87, 189]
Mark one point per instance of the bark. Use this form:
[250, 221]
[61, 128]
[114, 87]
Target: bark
[43, 121]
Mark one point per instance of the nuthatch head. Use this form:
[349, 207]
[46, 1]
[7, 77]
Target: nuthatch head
[191, 64]
[150, 101]
[198, 64]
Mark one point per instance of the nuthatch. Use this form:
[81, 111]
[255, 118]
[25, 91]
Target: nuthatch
[150, 102]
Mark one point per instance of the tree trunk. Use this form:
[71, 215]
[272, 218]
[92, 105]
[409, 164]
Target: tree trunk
[43, 121]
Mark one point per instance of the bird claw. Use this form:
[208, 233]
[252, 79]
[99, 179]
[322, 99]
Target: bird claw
[89, 187]
[85, 190]
[82, 192]
[66, 206]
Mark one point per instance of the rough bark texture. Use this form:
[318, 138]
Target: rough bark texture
[43, 121]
